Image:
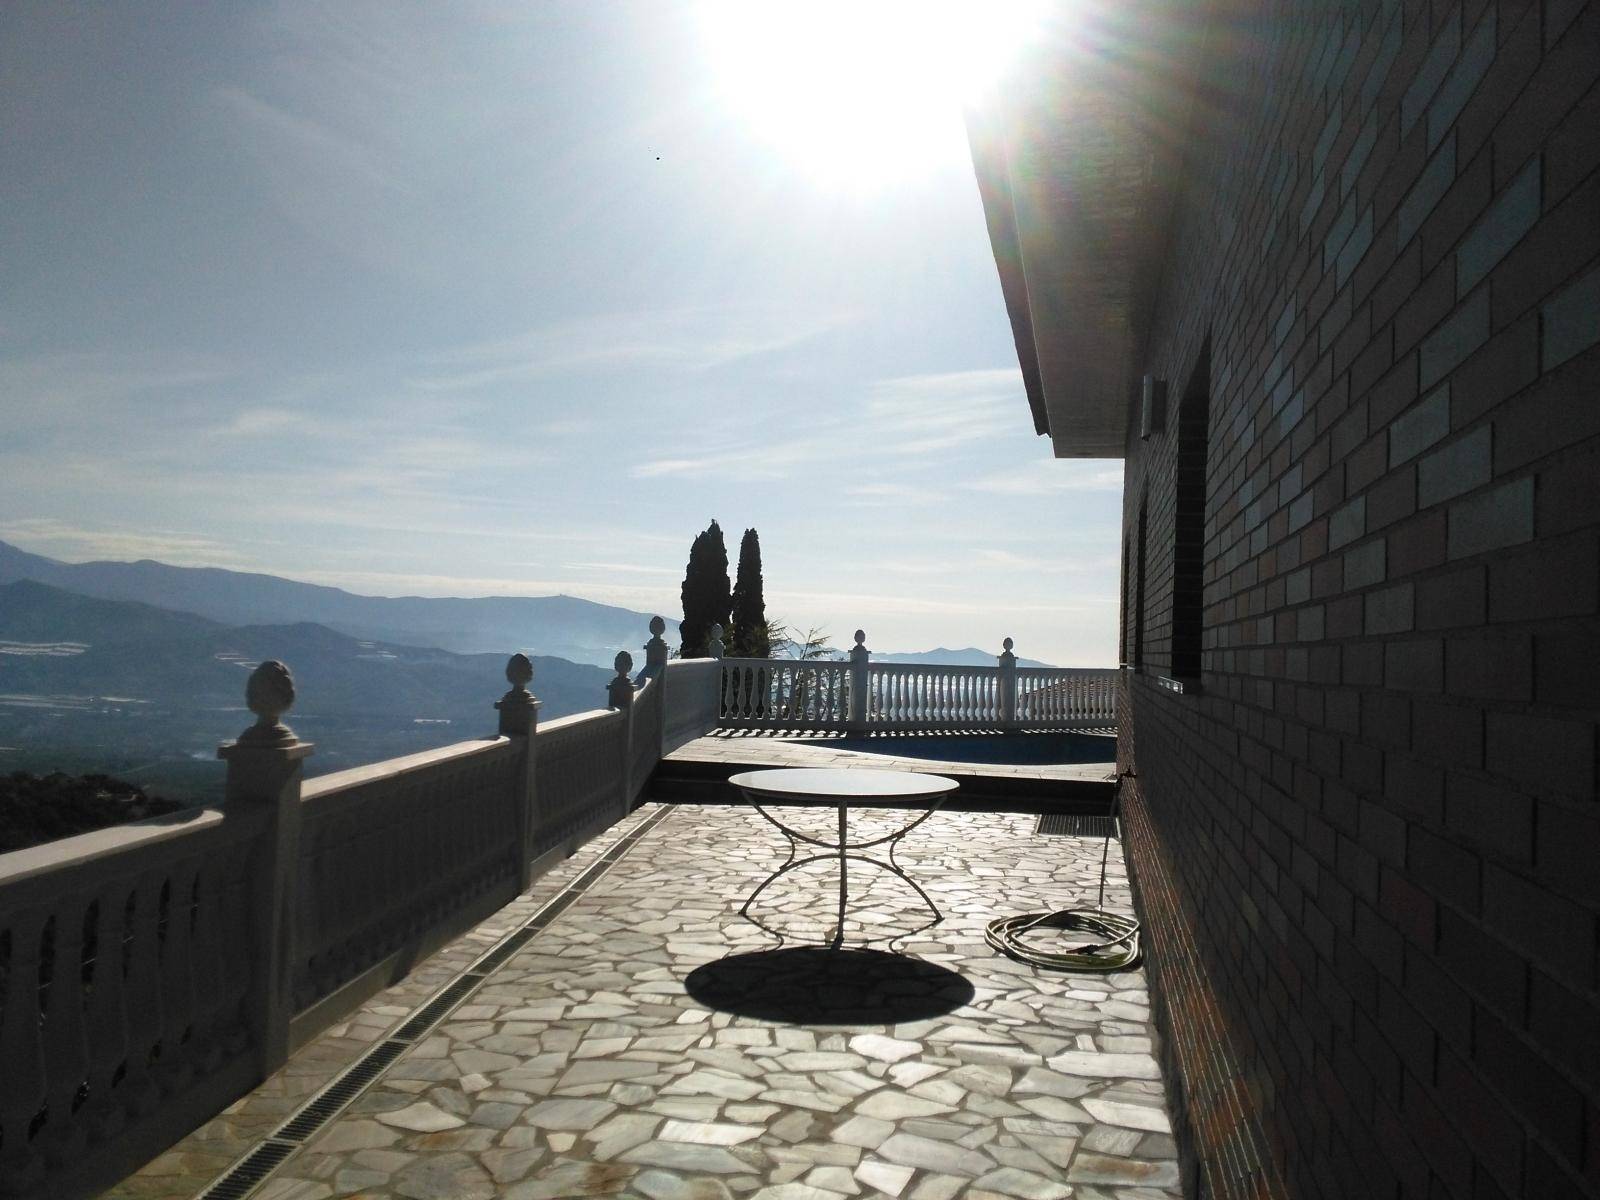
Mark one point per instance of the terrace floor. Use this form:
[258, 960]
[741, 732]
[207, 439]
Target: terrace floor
[642, 1044]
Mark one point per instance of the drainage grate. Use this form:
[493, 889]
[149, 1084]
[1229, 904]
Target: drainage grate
[249, 1172]
[332, 1100]
[1075, 825]
[434, 1010]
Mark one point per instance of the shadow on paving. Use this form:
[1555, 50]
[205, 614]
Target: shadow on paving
[817, 985]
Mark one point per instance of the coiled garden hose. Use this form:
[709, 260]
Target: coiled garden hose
[1118, 947]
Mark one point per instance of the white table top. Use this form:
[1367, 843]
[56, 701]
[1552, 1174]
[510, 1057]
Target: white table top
[833, 784]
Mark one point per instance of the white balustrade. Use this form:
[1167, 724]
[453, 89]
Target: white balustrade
[391, 854]
[125, 985]
[790, 694]
[776, 693]
[690, 700]
[578, 778]
[152, 972]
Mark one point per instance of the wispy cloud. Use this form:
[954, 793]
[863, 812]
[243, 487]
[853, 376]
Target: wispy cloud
[55, 538]
[1046, 477]
[686, 340]
[920, 418]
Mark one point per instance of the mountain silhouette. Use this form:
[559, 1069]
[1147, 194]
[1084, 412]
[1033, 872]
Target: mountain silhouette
[559, 626]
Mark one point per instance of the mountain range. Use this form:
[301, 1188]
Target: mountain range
[147, 692]
[559, 626]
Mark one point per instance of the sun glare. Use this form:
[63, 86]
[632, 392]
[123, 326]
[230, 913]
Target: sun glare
[866, 94]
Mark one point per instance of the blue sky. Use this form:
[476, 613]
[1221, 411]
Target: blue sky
[482, 298]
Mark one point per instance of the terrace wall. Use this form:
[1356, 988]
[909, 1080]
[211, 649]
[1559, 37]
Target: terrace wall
[1367, 843]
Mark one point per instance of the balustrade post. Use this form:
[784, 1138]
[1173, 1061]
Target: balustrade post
[619, 694]
[519, 721]
[1008, 687]
[656, 652]
[654, 675]
[265, 766]
[860, 656]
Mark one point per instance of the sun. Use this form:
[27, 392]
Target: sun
[864, 94]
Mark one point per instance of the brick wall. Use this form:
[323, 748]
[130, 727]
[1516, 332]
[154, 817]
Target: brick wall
[1377, 820]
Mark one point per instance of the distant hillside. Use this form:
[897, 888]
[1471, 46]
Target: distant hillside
[124, 680]
[560, 626]
[971, 656]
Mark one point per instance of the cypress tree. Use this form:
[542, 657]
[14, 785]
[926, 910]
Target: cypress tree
[750, 638]
[706, 597]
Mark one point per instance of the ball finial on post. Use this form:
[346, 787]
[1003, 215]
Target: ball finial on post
[656, 652]
[714, 643]
[518, 708]
[519, 672]
[269, 694]
[620, 690]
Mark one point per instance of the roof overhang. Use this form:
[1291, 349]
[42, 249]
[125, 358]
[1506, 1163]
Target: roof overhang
[1075, 154]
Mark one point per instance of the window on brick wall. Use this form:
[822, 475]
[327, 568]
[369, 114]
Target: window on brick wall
[1189, 520]
[1138, 585]
[1122, 631]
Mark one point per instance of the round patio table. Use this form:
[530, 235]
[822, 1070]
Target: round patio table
[842, 788]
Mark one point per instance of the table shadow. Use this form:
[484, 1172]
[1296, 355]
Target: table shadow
[817, 985]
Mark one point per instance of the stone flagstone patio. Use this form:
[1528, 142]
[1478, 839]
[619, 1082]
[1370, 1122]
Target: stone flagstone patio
[603, 1058]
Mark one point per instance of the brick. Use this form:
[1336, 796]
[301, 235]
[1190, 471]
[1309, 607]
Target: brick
[1543, 261]
[1390, 610]
[1492, 520]
[1501, 227]
[1458, 467]
[1567, 498]
[1558, 1016]
[1360, 151]
[1417, 545]
[1454, 600]
[1491, 668]
[1444, 869]
[1508, 363]
[1547, 1101]
[1420, 426]
[1567, 835]
[1448, 345]
[1444, 1002]
[1392, 498]
[1546, 755]
[1571, 321]
[1560, 578]
[1394, 391]
[1441, 54]
[1482, 965]
[1347, 523]
[1449, 733]
[1414, 666]
[1573, 150]
[1557, 933]
[1386, 723]
[1484, 1119]
[1564, 666]
[1426, 193]
[1364, 565]
[1367, 465]
[1464, 77]
[1355, 249]
[1426, 306]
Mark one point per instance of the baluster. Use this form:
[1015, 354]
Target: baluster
[177, 983]
[22, 1052]
[66, 1050]
[104, 1019]
[143, 982]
